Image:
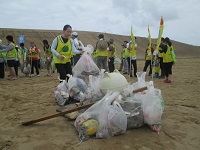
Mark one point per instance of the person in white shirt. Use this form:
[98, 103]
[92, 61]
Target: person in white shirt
[79, 46]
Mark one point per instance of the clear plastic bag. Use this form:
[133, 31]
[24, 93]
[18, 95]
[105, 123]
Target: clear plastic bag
[61, 93]
[94, 86]
[141, 81]
[85, 66]
[153, 107]
[26, 71]
[134, 112]
[111, 118]
[117, 121]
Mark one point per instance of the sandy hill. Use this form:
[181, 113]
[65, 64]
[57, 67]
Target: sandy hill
[182, 50]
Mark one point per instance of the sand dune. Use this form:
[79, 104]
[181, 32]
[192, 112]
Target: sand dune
[181, 49]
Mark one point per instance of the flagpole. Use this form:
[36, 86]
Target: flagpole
[159, 38]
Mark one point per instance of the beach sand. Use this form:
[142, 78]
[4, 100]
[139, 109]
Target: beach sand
[31, 98]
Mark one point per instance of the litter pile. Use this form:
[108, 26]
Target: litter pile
[116, 107]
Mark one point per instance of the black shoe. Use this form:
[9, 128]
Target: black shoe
[131, 75]
[119, 70]
[125, 73]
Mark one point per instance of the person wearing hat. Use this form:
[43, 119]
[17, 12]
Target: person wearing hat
[102, 53]
[79, 46]
[111, 55]
[10, 49]
[62, 48]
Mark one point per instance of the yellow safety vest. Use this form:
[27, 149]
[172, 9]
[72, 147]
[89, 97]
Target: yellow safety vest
[11, 53]
[167, 56]
[124, 53]
[160, 54]
[102, 53]
[63, 49]
[95, 54]
[133, 51]
[127, 53]
[33, 55]
[48, 52]
[148, 54]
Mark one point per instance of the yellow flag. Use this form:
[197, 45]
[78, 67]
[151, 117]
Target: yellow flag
[132, 39]
[160, 33]
[149, 37]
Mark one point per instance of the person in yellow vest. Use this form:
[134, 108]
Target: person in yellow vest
[148, 60]
[160, 57]
[10, 49]
[167, 59]
[124, 63]
[2, 62]
[62, 48]
[33, 53]
[95, 54]
[156, 67]
[132, 59]
[102, 53]
[49, 57]
[111, 55]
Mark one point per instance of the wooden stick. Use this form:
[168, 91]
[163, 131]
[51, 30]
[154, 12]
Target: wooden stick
[140, 89]
[56, 115]
[70, 110]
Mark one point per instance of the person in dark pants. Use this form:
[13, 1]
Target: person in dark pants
[2, 62]
[34, 55]
[148, 60]
[62, 48]
[167, 59]
[132, 59]
[16, 65]
[160, 57]
[111, 55]
[10, 56]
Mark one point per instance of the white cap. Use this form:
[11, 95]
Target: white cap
[75, 33]
[16, 46]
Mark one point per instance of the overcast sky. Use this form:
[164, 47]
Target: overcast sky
[181, 17]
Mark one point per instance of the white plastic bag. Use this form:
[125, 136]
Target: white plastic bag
[153, 107]
[94, 85]
[111, 118]
[85, 65]
[117, 121]
[61, 93]
[141, 81]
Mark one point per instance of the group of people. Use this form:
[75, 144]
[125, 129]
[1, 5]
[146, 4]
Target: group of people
[13, 57]
[161, 60]
[66, 50]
